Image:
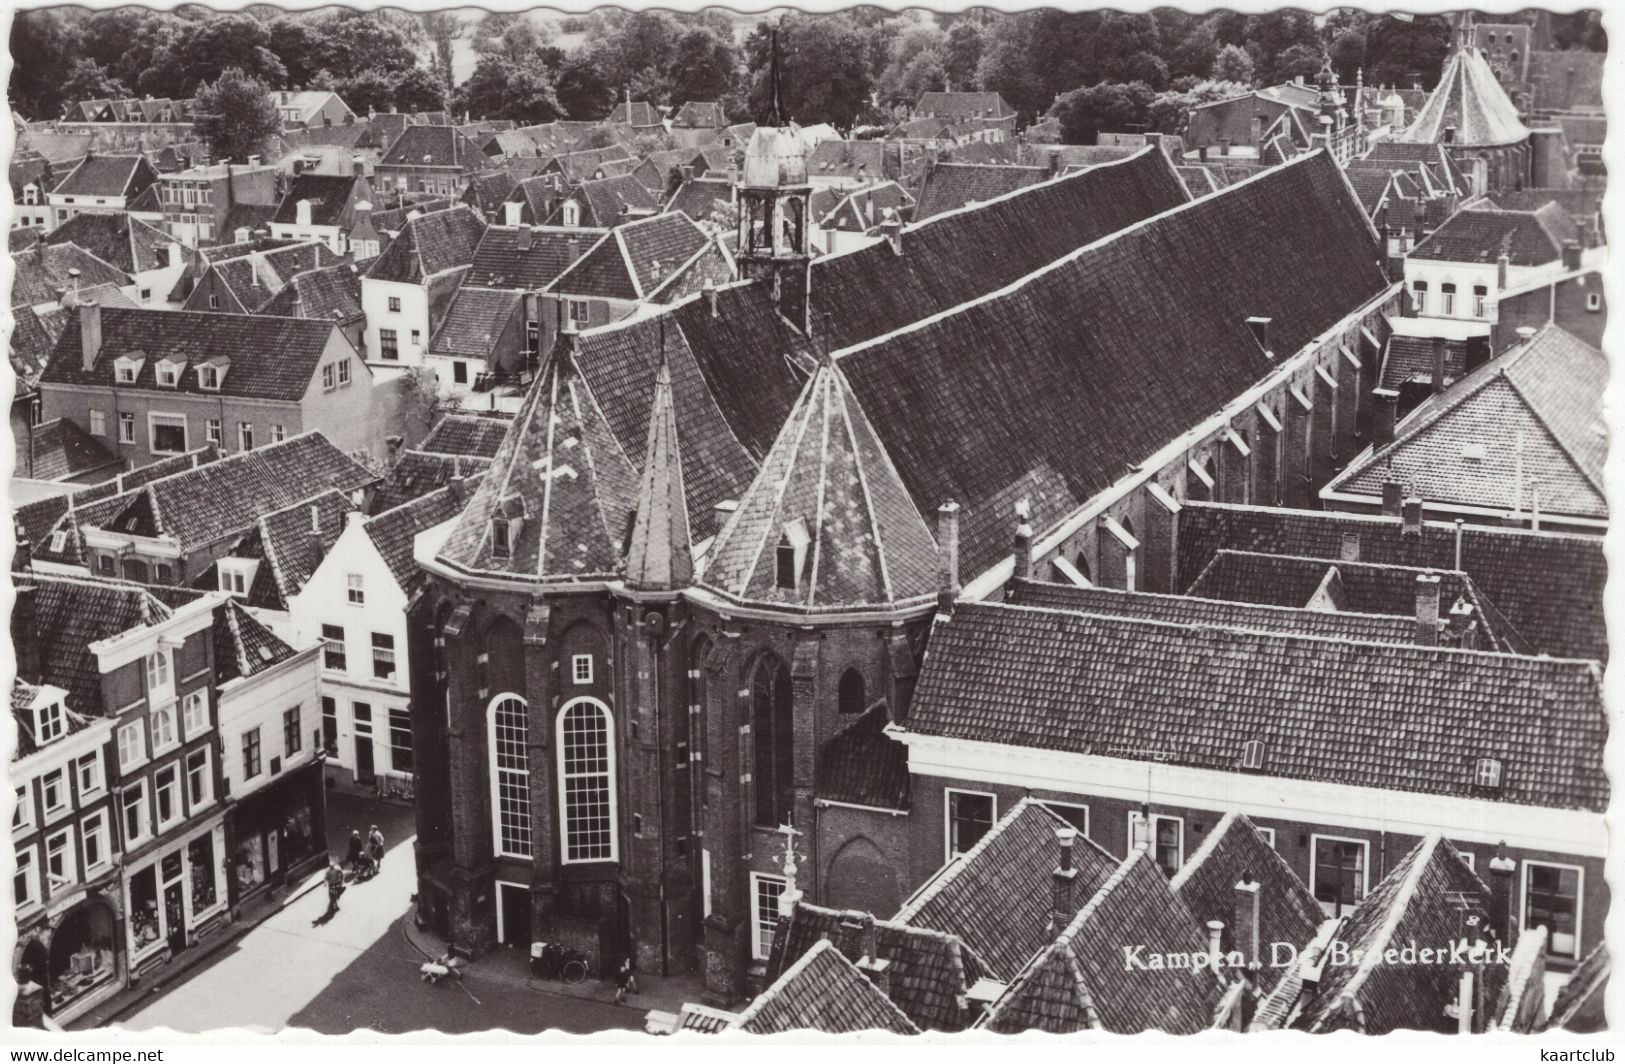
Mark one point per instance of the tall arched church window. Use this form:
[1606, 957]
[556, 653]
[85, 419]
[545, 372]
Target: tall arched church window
[509, 733]
[586, 753]
[772, 722]
[851, 695]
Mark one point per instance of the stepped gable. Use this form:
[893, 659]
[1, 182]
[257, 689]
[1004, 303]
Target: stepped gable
[560, 481]
[823, 992]
[1233, 853]
[1082, 982]
[659, 556]
[1470, 100]
[829, 493]
[1091, 364]
[1549, 585]
[997, 895]
[1390, 717]
[955, 257]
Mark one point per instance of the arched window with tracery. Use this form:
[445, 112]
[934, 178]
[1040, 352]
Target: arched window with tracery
[586, 753]
[772, 721]
[509, 734]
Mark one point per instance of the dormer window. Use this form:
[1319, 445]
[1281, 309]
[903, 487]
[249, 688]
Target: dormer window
[236, 575]
[504, 531]
[169, 373]
[210, 375]
[572, 213]
[127, 368]
[786, 564]
[1252, 755]
[49, 722]
[1487, 773]
[791, 553]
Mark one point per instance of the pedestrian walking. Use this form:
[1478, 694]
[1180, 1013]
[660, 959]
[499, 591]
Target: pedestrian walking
[352, 857]
[335, 887]
[375, 847]
[625, 982]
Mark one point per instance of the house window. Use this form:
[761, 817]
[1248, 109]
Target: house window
[167, 374]
[327, 375]
[199, 782]
[1164, 836]
[1076, 815]
[126, 428]
[344, 372]
[400, 740]
[333, 654]
[501, 542]
[127, 371]
[292, 740]
[25, 881]
[214, 432]
[163, 728]
[233, 580]
[60, 867]
[251, 753]
[394, 304]
[389, 345]
[245, 436]
[1551, 899]
[383, 656]
[214, 301]
[93, 833]
[772, 721]
[23, 816]
[850, 696]
[1267, 834]
[969, 816]
[355, 589]
[208, 377]
[166, 787]
[54, 792]
[417, 338]
[764, 893]
[579, 313]
[1593, 301]
[98, 423]
[330, 726]
[195, 713]
[1447, 300]
[459, 372]
[510, 776]
[572, 212]
[1480, 292]
[137, 821]
[1419, 291]
[106, 565]
[785, 564]
[1338, 875]
[48, 723]
[88, 773]
[158, 677]
[279, 433]
[581, 668]
[587, 781]
[132, 745]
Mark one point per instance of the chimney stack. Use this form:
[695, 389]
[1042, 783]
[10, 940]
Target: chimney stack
[1385, 412]
[1571, 255]
[874, 969]
[1501, 869]
[1393, 498]
[1413, 516]
[710, 291]
[947, 556]
[1427, 610]
[90, 334]
[1215, 944]
[1503, 265]
[1224, 145]
[1450, 134]
[456, 486]
[316, 530]
[1024, 541]
[1350, 550]
[891, 227]
[302, 211]
[1246, 925]
[522, 242]
[573, 248]
[1438, 350]
[1201, 153]
[1054, 161]
[1462, 627]
[1063, 883]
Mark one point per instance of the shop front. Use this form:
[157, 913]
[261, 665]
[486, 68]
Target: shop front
[176, 895]
[74, 956]
[278, 834]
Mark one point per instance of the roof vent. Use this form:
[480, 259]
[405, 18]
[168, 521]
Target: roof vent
[1473, 452]
[1252, 755]
[1487, 773]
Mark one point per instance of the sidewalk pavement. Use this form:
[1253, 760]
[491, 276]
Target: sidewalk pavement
[511, 967]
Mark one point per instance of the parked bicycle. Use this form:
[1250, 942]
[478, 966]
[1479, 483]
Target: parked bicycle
[552, 960]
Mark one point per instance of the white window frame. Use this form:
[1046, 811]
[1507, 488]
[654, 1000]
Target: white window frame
[1579, 903]
[570, 213]
[761, 928]
[60, 844]
[165, 728]
[50, 722]
[160, 674]
[94, 825]
[233, 580]
[245, 435]
[495, 773]
[57, 780]
[194, 725]
[169, 373]
[1593, 302]
[215, 431]
[1467, 858]
[948, 818]
[1054, 805]
[126, 428]
[132, 745]
[98, 423]
[208, 378]
[138, 789]
[344, 372]
[1365, 868]
[1136, 817]
[29, 871]
[579, 311]
[205, 794]
[562, 778]
[581, 669]
[1268, 834]
[23, 819]
[177, 805]
[355, 589]
[279, 433]
[90, 784]
[327, 377]
[705, 883]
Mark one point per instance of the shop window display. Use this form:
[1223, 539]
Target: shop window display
[200, 855]
[144, 908]
[298, 841]
[81, 954]
[249, 863]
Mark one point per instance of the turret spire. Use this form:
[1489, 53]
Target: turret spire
[658, 554]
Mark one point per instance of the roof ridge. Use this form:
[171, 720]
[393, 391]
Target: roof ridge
[1203, 851]
[1545, 427]
[845, 395]
[818, 513]
[1397, 906]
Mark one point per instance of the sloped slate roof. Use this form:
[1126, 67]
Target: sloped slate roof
[443, 145]
[659, 554]
[1578, 1007]
[1214, 612]
[1362, 714]
[700, 114]
[329, 294]
[1470, 99]
[862, 765]
[823, 992]
[270, 358]
[636, 113]
[929, 970]
[1072, 382]
[997, 895]
[294, 540]
[43, 268]
[430, 244]
[500, 263]
[60, 449]
[127, 243]
[1562, 81]
[1411, 156]
[253, 280]
[864, 293]
[561, 472]
[864, 208]
[1548, 584]
[698, 196]
[393, 530]
[829, 480]
[107, 175]
[1234, 852]
[486, 191]
[1535, 414]
[1527, 238]
[633, 259]
[848, 158]
[1081, 981]
[466, 434]
[963, 105]
[72, 612]
[475, 321]
[950, 186]
[1410, 358]
[33, 337]
[605, 201]
[330, 196]
[419, 473]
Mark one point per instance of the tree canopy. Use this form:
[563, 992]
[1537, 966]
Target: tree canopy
[235, 116]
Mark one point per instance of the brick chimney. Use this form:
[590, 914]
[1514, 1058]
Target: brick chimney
[876, 970]
[90, 334]
[1503, 266]
[1350, 549]
[1393, 498]
[947, 556]
[1024, 542]
[710, 291]
[1215, 943]
[572, 247]
[1385, 412]
[1245, 934]
[1427, 610]
[1502, 868]
[1224, 145]
[1571, 255]
[1438, 350]
[891, 228]
[1063, 883]
[523, 240]
[302, 211]
[1412, 512]
[1462, 626]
